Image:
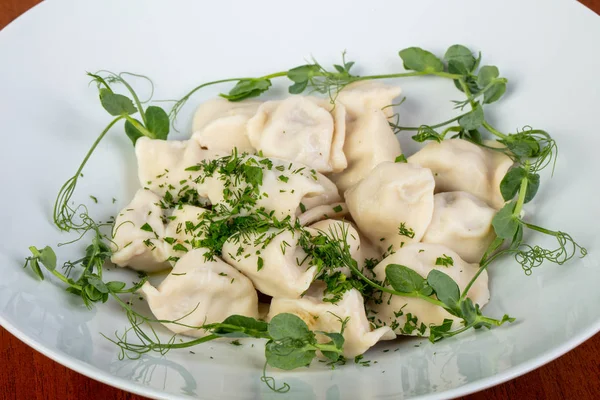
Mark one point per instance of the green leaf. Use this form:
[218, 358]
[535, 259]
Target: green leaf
[240, 326]
[517, 238]
[338, 341]
[425, 133]
[288, 357]
[132, 132]
[486, 75]
[522, 145]
[247, 88]
[471, 83]
[420, 60]
[304, 72]
[97, 283]
[472, 120]
[505, 223]
[446, 290]
[116, 104]
[115, 286]
[405, 280]
[48, 258]
[494, 93]
[157, 122]
[460, 60]
[297, 87]
[35, 266]
[436, 332]
[253, 174]
[401, 159]
[473, 135]
[146, 227]
[288, 325]
[469, 311]
[511, 183]
[533, 185]
[260, 263]
[336, 338]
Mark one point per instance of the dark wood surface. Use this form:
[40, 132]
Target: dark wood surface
[27, 374]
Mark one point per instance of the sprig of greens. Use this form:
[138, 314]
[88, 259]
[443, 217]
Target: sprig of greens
[89, 285]
[154, 124]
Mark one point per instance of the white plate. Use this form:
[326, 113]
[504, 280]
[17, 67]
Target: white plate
[547, 50]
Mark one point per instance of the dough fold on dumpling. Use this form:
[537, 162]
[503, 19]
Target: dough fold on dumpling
[137, 234]
[328, 317]
[412, 316]
[162, 166]
[301, 129]
[325, 211]
[369, 138]
[462, 223]
[459, 165]
[220, 124]
[273, 260]
[393, 204]
[361, 96]
[199, 292]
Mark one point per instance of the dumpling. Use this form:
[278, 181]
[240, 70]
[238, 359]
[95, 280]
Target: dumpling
[302, 129]
[137, 234]
[327, 317]
[162, 166]
[459, 165]
[286, 188]
[369, 137]
[199, 292]
[273, 260]
[462, 223]
[334, 211]
[412, 316]
[393, 205]
[220, 124]
[361, 96]
[184, 229]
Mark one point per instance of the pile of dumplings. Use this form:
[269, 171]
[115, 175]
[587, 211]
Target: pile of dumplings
[330, 166]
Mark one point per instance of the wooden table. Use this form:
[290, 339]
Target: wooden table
[27, 374]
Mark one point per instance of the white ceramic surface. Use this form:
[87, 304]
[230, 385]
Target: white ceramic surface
[548, 50]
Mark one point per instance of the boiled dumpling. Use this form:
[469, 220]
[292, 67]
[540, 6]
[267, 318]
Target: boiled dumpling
[302, 129]
[327, 317]
[411, 316]
[185, 228]
[361, 96]
[463, 223]
[393, 205]
[137, 234]
[459, 165]
[273, 260]
[162, 166]
[199, 292]
[220, 124]
[369, 138]
[334, 211]
[286, 188]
